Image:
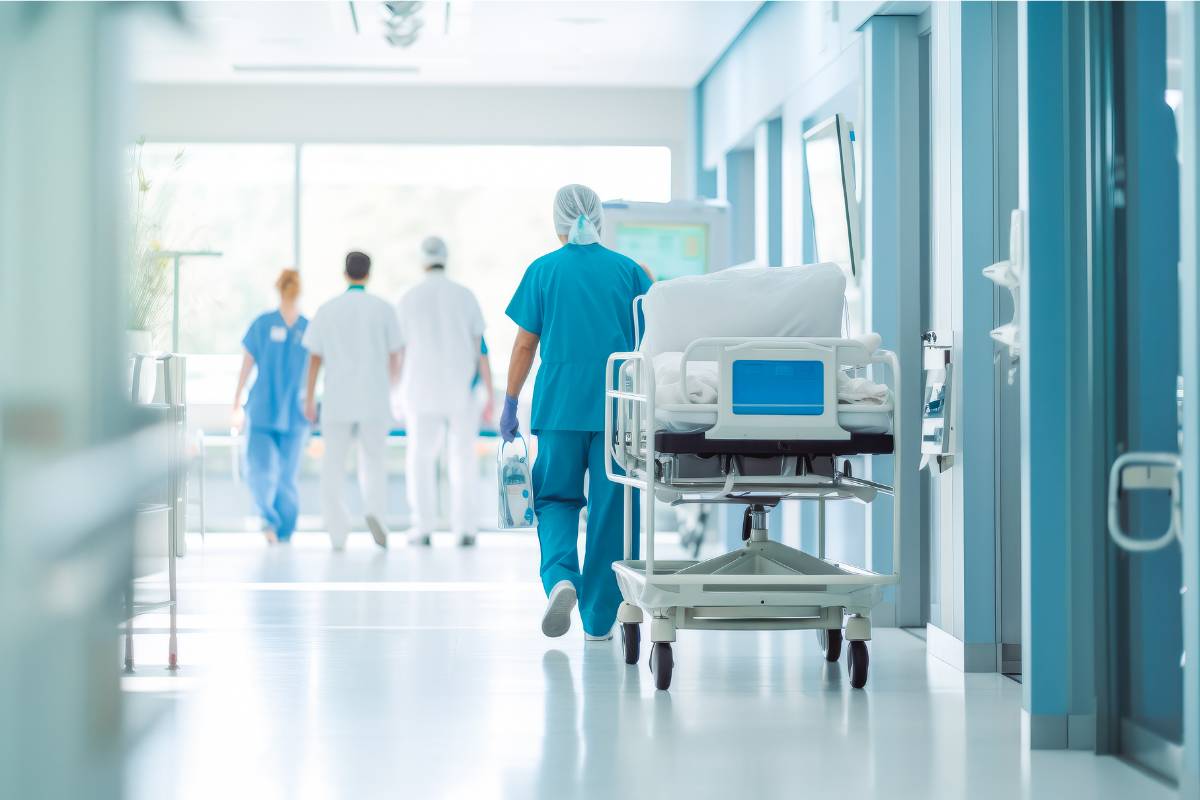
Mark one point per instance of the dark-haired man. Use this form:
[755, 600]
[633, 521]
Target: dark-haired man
[356, 338]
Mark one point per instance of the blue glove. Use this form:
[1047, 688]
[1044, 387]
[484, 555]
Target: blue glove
[508, 419]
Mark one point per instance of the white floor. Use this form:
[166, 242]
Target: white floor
[422, 674]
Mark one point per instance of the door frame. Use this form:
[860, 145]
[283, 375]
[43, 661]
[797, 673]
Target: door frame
[1189, 331]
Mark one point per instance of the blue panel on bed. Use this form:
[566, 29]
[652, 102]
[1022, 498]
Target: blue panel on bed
[783, 388]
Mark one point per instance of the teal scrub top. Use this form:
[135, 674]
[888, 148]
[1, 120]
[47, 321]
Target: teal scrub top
[579, 301]
[282, 361]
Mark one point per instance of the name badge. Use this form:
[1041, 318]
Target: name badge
[278, 333]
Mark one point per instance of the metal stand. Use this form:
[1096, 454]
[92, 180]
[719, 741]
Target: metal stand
[173, 406]
[176, 257]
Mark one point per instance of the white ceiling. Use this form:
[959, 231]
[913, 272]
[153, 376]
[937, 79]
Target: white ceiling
[614, 43]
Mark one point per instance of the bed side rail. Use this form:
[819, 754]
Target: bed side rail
[778, 387]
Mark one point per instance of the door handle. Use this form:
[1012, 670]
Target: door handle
[1144, 472]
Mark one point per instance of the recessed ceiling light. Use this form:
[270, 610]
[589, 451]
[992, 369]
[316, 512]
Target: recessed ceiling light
[378, 69]
[581, 20]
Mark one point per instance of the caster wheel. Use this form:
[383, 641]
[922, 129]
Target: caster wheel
[631, 641]
[661, 664]
[856, 664]
[831, 643]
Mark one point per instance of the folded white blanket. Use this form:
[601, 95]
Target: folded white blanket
[859, 391]
[701, 380]
[702, 384]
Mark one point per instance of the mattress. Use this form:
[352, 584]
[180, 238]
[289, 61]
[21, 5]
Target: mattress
[855, 418]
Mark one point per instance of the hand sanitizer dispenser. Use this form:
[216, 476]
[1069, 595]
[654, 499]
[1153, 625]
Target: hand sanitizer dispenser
[1009, 275]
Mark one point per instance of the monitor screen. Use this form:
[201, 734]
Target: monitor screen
[667, 249]
[831, 192]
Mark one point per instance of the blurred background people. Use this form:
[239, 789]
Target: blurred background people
[356, 338]
[441, 327]
[574, 303]
[273, 418]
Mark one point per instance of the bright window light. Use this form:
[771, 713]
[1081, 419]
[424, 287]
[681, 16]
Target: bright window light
[491, 203]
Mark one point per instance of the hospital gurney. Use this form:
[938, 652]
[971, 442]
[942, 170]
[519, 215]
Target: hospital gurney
[776, 432]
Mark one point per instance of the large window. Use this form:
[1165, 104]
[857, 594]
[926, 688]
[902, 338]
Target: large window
[234, 199]
[492, 205]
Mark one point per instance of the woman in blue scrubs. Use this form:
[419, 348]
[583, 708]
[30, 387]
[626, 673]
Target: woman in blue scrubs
[575, 303]
[275, 416]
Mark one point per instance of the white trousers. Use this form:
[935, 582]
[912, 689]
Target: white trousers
[458, 431]
[371, 438]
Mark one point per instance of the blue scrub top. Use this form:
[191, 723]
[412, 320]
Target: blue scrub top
[578, 299]
[483, 351]
[282, 361]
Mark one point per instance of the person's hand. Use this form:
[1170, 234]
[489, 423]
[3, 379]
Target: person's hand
[237, 420]
[508, 419]
[310, 410]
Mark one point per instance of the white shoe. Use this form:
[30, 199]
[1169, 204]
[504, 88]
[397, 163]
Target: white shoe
[466, 540]
[557, 619]
[379, 531]
[606, 637]
[418, 539]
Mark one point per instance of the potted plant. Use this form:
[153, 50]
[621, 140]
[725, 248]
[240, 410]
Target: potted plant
[149, 289]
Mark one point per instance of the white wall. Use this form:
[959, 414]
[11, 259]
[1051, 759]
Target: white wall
[428, 115]
[794, 54]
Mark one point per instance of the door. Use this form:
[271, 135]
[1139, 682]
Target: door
[1142, 701]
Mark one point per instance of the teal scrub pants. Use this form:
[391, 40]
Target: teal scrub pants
[558, 494]
[272, 461]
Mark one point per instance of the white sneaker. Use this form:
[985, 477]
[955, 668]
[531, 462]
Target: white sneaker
[418, 539]
[557, 619]
[379, 531]
[605, 637]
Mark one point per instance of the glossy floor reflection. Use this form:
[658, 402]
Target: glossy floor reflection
[423, 674]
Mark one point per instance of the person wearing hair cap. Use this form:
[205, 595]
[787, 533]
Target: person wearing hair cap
[277, 427]
[441, 331]
[575, 305]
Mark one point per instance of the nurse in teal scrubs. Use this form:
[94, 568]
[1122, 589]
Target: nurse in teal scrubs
[275, 417]
[575, 303]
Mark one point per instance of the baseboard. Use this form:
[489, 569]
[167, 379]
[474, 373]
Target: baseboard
[1059, 731]
[1081, 732]
[948, 648]
[1044, 731]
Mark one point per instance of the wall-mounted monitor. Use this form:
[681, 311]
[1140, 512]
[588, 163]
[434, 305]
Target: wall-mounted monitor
[670, 239]
[829, 161]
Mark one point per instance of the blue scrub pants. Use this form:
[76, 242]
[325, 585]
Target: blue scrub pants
[558, 494]
[272, 460]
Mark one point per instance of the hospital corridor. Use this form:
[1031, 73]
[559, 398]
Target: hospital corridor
[599, 399]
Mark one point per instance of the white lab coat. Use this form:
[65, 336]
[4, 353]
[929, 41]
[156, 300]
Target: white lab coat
[355, 335]
[442, 327]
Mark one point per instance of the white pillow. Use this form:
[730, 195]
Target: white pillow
[744, 301]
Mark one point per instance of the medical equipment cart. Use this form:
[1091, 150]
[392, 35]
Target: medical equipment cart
[776, 432]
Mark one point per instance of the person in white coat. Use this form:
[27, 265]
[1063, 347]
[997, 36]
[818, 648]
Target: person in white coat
[356, 338]
[441, 326]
